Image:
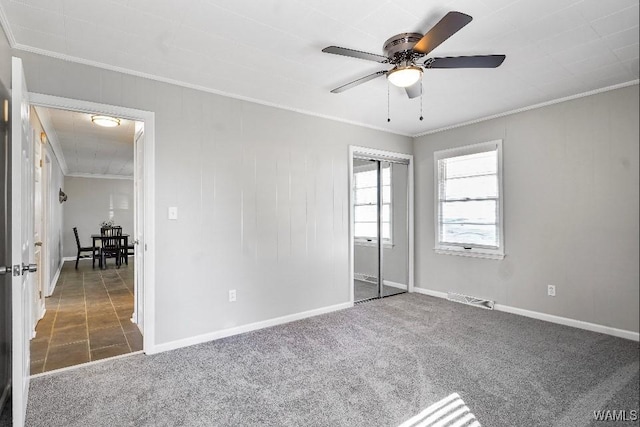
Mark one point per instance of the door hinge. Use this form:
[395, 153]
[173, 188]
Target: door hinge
[41, 163]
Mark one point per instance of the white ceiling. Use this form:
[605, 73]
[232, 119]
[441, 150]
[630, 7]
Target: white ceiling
[89, 149]
[270, 50]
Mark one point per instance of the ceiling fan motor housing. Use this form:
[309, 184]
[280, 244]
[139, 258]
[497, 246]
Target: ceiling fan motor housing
[399, 48]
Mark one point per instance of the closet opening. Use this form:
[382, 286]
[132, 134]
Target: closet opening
[380, 224]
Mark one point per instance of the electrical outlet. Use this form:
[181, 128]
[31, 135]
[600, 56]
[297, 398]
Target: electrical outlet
[551, 290]
[232, 295]
[173, 213]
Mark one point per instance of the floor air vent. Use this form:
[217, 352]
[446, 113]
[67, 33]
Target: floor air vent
[466, 299]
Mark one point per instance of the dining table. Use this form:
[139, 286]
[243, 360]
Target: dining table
[124, 244]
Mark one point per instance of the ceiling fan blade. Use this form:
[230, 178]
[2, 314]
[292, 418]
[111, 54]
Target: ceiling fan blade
[414, 91]
[358, 82]
[355, 54]
[448, 26]
[477, 61]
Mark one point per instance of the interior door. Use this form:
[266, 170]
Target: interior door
[138, 226]
[22, 248]
[5, 260]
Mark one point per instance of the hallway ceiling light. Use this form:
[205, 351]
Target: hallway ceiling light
[105, 121]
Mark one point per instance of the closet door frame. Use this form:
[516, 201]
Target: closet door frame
[386, 156]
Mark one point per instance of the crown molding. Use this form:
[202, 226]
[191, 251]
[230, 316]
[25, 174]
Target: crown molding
[18, 46]
[52, 136]
[4, 23]
[98, 176]
[532, 107]
[15, 45]
[101, 65]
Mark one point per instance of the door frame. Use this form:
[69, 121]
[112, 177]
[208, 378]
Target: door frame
[366, 151]
[148, 118]
[38, 180]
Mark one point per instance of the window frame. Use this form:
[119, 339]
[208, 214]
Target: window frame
[364, 241]
[469, 250]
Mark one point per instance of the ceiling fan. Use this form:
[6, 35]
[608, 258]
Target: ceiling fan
[404, 50]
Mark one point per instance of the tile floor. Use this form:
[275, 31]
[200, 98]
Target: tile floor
[88, 318]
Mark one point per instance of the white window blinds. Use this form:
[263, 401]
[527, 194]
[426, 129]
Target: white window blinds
[468, 199]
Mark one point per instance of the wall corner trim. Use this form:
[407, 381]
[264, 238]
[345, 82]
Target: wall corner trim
[236, 330]
[593, 327]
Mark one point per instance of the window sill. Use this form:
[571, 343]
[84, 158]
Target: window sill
[473, 253]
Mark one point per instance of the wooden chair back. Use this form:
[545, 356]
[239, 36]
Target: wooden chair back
[75, 233]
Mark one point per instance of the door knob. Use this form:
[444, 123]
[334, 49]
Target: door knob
[4, 270]
[29, 268]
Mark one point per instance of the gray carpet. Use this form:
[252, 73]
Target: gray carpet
[377, 364]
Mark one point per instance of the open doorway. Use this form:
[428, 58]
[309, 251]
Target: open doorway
[86, 231]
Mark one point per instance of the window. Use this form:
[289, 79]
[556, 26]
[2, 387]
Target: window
[366, 203]
[469, 201]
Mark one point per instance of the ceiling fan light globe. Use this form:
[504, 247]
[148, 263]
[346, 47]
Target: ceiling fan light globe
[405, 77]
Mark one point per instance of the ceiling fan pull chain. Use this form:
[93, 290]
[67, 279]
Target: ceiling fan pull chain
[421, 97]
[388, 114]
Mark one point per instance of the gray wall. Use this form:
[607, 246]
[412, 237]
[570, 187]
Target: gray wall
[571, 211]
[395, 259]
[91, 201]
[262, 197]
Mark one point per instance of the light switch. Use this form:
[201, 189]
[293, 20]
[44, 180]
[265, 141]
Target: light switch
[173, 212]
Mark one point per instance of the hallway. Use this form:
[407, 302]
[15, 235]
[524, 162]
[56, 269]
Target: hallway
[87, 318]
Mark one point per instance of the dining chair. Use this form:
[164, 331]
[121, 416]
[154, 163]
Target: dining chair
[127, 252]
[81, 249]
[110, 247]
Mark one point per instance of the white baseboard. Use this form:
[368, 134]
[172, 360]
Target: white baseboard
[394, 284]
[429, 292]
[212, 336]
[363, 277]
[594, 327]
[54, 281]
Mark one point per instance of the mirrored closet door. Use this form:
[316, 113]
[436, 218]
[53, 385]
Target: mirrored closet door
[380, 224]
